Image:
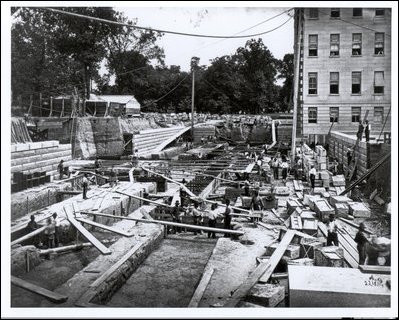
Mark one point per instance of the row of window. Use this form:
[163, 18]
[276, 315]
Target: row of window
[335, 13]
[356, 114]
[356, 82]
[356, 44]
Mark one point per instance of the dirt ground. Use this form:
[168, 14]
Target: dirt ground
[51, 274]
[169, 276]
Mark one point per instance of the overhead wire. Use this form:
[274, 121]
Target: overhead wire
[153, 29]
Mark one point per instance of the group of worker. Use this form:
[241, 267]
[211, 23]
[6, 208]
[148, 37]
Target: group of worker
[51, 232]
[368, 250]
[199, 213]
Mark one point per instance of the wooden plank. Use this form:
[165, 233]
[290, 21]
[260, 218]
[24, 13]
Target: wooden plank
[168, 223]
[264, 270]
[103, 249]
[199, 292]
[143, 199]
[114, 267]
[29, 235]
[51, 295]
[102, 226]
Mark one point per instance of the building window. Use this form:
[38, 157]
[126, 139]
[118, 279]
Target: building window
[313, 13]
[334, 114]
[379, 43]
[379, 82]
[379, 12]
[356, 44]
[313, 45]
[312, 83]
[335, 13]
[378, 114]
[312, 115]
[334, 45]
[357, 12]
[356, 113]
[334, 82]
[356, 82]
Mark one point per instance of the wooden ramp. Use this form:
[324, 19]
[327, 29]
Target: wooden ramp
[103, 249]
[164, 144]
[51, 295]
[102, 226]
[351, 255]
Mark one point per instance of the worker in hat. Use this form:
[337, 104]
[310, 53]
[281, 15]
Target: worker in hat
[361, 240]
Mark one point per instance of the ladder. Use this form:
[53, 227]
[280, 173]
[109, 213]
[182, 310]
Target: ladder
[355, 148]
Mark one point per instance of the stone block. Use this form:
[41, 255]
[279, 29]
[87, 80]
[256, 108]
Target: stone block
[292, 204]
[330, 256]
[359, 210]
[267, 295]
[339, 199]
[281, 191]
[338, 181]
[35, 145]
[323, 209]
[292, 251]
[21, 147]
[315, 287]
[319, 190]
[245, 304]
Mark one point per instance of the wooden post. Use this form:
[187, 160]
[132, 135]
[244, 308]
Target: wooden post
[30, 104]
[48, 197]
[27, 204]
[51, 106]
[62, 108]
[40, 104]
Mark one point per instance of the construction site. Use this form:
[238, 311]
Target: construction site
[259, 180]
[133, 240]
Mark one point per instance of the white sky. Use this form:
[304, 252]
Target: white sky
[212, 21]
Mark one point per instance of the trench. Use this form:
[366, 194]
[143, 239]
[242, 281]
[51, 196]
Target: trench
[169, 276]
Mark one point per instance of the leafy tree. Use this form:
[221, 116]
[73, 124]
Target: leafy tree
[286, 70]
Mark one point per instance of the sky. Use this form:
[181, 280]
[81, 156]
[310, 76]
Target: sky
[213, 21]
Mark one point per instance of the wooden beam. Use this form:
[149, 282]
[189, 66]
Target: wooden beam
[114, 267]
[103, 249]
[264, 270]
[199, 292]
[143, 199]
[168, 223]
[51, 295]
[102, 226]
[29, 235]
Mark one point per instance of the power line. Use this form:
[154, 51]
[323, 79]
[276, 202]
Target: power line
[169, 92]
[355, 24]
[157, 30]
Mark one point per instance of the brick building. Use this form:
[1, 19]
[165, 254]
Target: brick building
[343, 69]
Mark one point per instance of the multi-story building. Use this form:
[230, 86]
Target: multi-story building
[343, 69]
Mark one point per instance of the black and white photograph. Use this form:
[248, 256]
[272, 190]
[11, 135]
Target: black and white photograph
[191, 159]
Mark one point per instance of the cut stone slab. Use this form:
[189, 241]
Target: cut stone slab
[292, 204]
[337, 287]
[319, 190]
[338, 181]
[324, 209]
[359, 210]
[292, 251]
[339, 199]
[267, 295]
[330, 256]
[282, 191]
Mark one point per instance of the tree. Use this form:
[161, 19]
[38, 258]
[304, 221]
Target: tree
[286, 70]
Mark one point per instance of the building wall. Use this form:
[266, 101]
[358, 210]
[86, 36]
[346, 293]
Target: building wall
[345, 64]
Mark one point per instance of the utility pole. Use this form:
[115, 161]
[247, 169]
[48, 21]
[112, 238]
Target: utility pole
[192, 106]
